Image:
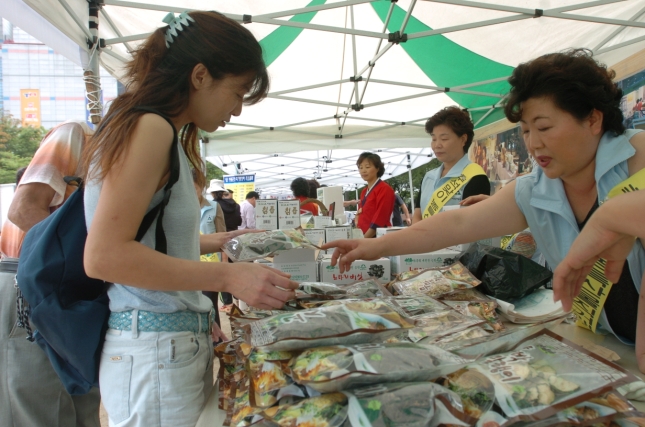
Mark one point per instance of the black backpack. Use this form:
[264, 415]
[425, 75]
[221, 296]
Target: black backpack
[69, 309]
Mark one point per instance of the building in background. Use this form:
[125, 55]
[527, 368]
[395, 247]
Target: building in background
[27, 63]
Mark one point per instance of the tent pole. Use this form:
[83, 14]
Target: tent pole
[411, 187]
[91, 75]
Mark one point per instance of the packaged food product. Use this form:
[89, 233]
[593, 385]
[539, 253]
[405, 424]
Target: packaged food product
[484, 310]
[382, 405]
[458, 338]
[336, 368]
[545, 374]
[434, 282]
[266, 376]
[353, 322]
[464, 295]
[440, 324]
[476, 391]
[252, 246]
[365, 289]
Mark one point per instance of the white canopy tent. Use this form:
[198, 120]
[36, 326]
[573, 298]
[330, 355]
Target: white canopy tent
[353, 74]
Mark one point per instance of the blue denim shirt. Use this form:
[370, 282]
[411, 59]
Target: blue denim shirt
[546, 208]
[433, 180]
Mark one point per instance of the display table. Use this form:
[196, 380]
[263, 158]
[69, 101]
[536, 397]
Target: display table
[212, 416]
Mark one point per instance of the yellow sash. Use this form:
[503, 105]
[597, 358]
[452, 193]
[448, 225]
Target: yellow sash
[212, 257]
[441, 195]
[588, 305]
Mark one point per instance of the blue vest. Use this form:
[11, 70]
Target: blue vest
[207, 218]
[433, 180]
[546, 208]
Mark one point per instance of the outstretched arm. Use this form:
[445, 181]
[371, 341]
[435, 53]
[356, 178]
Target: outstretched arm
[439, 231]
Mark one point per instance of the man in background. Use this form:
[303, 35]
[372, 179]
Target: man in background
[399, 205]
[247, 210]
[32, 394]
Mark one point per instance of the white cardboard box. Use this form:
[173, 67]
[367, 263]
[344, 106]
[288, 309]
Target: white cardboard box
[266, 214]
[322, 221]
[300, 263]
[315, 235]
[288, 214]
[440, 258]
[338, 233]
[380, 232]
[360, 270]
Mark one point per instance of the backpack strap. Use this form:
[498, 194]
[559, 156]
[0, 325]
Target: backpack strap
[158, 211]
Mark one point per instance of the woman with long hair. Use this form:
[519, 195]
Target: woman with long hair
[156, 364]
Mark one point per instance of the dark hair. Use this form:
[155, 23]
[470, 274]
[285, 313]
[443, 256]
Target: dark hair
[19, 173]
[457, 120]
[217, 195]
[159, 77]
[374, 159]
[574, 81]
[300, 187]
[230, 191]
[252, 195]
[313, 188]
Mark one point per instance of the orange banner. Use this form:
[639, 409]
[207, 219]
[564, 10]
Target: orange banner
[30, 107]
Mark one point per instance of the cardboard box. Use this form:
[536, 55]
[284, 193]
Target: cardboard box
[342, 232]
[361, 270]
[266, 214]
[300, 263]
[322, 221]
[440, 258]
[288, 214]
[380, 232]
[329, 195]
[315, 235]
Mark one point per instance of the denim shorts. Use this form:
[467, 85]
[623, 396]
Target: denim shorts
[155, 378]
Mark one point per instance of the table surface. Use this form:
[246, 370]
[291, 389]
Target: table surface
[213, 416]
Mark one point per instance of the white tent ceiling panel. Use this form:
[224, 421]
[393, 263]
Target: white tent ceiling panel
[275, 172]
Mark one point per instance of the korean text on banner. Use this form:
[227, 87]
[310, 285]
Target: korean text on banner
[240, 184]
[30, 107]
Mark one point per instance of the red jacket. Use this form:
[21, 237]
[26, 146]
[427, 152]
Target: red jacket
[376, 209]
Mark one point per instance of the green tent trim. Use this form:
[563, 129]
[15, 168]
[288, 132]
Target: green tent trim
[449, 64]
[274, 44]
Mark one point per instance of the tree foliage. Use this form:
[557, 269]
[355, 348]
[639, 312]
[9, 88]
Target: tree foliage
[18, 145]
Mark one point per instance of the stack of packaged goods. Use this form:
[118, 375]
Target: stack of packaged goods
[426, 350]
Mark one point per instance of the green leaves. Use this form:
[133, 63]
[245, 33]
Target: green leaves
[17, 146]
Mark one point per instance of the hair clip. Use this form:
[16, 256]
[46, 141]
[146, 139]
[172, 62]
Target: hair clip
[175, 25]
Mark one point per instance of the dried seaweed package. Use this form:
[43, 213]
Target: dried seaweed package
[381, 405]
[365, 289]
[325, 410]
[353, 322]
[336, 368]
[266, 376]
[252, 246]
[441, 324]
[417, 305]
[464, 295]
[456, 339]
[476, 391]
[608, 409]
[435, 281]
[484, 310]
[545, 374]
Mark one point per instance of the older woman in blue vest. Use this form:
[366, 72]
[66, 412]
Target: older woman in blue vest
[452, 133]
[569, 110]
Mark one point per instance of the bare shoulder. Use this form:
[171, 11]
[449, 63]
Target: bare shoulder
[154, 129]
[637, 162]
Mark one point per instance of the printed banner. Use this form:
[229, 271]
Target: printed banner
[240, 184]
[30, 107]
